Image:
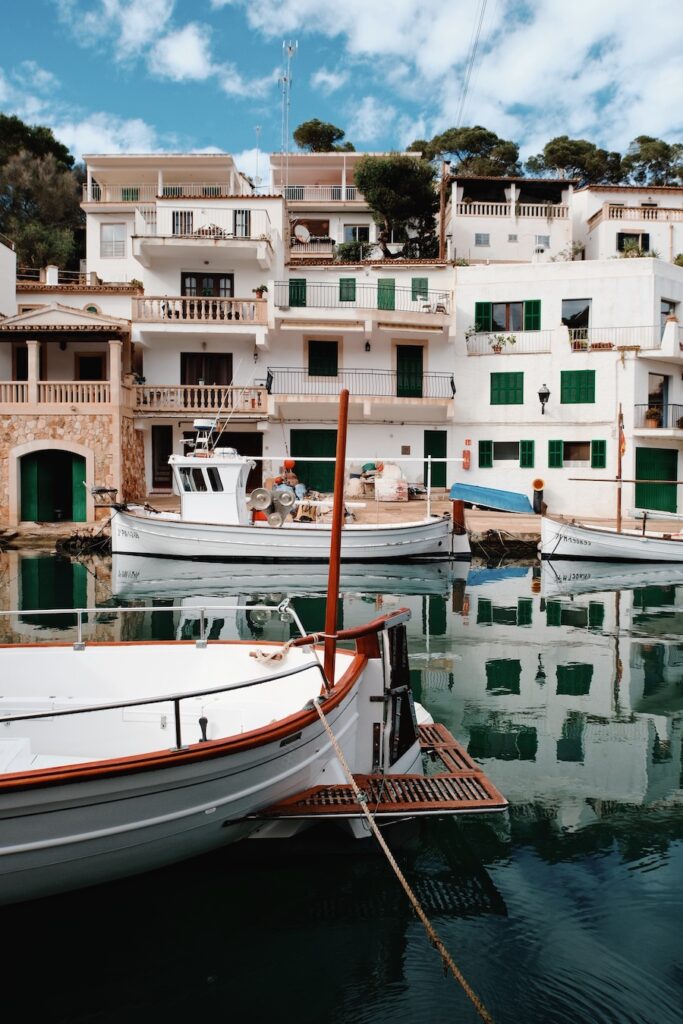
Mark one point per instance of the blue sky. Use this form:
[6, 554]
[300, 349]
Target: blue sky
[180, 75]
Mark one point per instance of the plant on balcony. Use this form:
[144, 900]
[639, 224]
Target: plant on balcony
[499, 341]
[260, 291]
[653, 416]
[351, 252]
[137, 284]
[678, 260]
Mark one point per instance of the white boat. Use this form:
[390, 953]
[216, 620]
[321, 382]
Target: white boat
[559, 577]
[601, 543]
[216, 523]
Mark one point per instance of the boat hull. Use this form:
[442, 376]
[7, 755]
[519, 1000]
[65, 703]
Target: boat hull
[145, 533]
[577, 542]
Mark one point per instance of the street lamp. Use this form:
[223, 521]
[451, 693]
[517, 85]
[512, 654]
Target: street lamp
[543, 396]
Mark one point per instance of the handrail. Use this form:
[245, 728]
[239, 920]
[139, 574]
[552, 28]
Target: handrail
[356, 632]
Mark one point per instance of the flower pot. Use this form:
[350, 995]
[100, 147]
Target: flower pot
[497, 348]
[652, 424]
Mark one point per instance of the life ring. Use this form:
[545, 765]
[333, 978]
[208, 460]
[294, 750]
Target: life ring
[466, 458]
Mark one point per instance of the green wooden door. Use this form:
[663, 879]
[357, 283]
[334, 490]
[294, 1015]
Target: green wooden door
[28, 470]
[78, 513]
[435, 445]
[409, 371]
[318, 476]
[386, 293]
[656, 464]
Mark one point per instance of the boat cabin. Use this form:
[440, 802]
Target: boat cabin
[212, 482]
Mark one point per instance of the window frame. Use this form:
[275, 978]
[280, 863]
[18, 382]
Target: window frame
[118, 245]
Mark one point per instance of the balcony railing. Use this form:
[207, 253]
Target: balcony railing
[546, 211]
[294, 381]
[191, 309]
[57, 392]
[202, 222]
[192, 398]
[350, 294]
[657, 417]
[13, 391]
[636, 213]
[149, 192]
[596, 339]
[316, 247]
[321, 193]
[516, 343]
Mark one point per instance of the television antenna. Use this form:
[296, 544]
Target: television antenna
[257, 133]
[289, 49]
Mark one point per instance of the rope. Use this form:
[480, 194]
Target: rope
[446, 958]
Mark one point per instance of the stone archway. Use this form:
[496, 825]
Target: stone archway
[45, 445]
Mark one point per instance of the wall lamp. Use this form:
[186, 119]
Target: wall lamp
[367, 346]
[543, 396]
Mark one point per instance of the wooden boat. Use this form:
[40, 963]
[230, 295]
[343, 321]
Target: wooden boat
[601, 543]
[216, 522]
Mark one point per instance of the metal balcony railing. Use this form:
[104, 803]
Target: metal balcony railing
[148, 192]
[656, 416]
[508, 343]
[351, 294]
[202, 222]
[593, 339]
[321, 193]
[293, 381]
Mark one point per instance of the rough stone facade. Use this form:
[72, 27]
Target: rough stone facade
[132, 462]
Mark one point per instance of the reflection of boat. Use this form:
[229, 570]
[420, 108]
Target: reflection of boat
[567, 577]
[576, 541]
[134, 576]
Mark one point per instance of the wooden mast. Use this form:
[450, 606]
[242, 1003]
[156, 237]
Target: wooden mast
[620, 436]
[335, 541]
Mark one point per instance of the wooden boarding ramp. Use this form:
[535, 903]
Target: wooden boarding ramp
[462, 788]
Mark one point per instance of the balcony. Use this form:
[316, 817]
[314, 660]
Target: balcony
[636, 213]
[150, 192]
[543, 211]
[293, 382]
[659, 417]
[322, 194]
[55, 393]
[190, 399]
[160, 309]
[184, 232]
[316, 247]
[601, 339]
[358, 295]
[508, 343]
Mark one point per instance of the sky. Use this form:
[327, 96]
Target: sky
[136, 76]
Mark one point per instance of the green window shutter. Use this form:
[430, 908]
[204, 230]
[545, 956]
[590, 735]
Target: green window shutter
[598, 454]
[485, 454]
[484, 612]
[420, 288]
[483, 316]
[574, 679]
[322, 359]
[347, 289]
[555, 454]
[596, 615]
[553, 613]
[507, 389]
[526, 454]
[297, 291]
[532, 315]
[524, 609]
[577, 386]
[503, 674]
[386, 293]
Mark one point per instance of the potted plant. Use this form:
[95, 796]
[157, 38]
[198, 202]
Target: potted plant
[499, 341]
[653, 417]
[260, 291]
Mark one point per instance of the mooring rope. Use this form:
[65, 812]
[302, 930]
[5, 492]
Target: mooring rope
[446, 958]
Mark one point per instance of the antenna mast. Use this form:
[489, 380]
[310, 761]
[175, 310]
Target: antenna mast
[257, 178]
[289, 51]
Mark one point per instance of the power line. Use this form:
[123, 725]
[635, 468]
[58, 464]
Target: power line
[471, 57]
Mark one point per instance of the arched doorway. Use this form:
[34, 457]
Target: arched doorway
[52, 486]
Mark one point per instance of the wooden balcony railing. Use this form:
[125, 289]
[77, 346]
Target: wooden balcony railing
[74, 392]
[546, 211]
[204, 398]
[192, 309]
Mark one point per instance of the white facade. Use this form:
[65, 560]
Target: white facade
[8, 278]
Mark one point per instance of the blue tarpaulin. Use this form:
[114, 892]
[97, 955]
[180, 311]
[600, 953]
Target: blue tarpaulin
[477, 577]
[487, 497]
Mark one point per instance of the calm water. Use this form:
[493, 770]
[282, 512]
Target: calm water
[568, 909]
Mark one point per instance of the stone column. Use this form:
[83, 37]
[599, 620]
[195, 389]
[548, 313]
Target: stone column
[115, 348]
[33, 346]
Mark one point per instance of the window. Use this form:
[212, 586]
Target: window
[91, 309]
[90, 366]
[577, 387]
[419, 288]
[356, 232]
[587, 453]
[632, 239]
[211, 191]
[130, 195]
[576, 315]
[507, 316]
[172, 191]
[182, 222]
[323, 358]
[667, 308]
[204, 285]
[505, 451]
[526, 454]
[485, 454]
[574, 679]
[347, 289]
[576, 451]
[242, 224]
[657, 391]
[198, 481]
[214, 478]
[482, 239]
[503, 675]
[507, 388]
[542, 241]
[112, 241]
[513, 238]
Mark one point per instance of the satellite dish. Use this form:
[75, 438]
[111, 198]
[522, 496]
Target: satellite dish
[302, 234]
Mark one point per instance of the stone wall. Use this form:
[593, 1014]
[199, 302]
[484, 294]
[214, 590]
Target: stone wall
[132, 462]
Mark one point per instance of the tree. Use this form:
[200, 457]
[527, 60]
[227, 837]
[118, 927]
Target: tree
[38, 140]
[400, 192]
[651, 161]
[39, 208]
[472, 151]
[321, 137]
[563, 157]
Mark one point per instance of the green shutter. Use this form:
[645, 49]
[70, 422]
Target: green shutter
[555, 454]
[323, 359]
[574, 679]
[485, 454]
[598, 454]
[420, 288]
[503, 674]
[386, 293]
[526, 454]
[577, 386]
[484, 612]
[507, 389]
[483, 316]
[553, 613]
[596, 615]
[524, 609]
[347, 289]
[28, 471]
[532, 315]
[297, 291]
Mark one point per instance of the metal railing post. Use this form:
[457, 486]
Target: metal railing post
[202, 629]
[429, 485]
[79, 645]
[176, 715]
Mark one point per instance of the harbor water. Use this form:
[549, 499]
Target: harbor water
[566, 684]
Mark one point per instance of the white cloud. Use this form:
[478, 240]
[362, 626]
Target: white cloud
[106, 133]
[369, 119]
[255, 164]
[184, 55]
[233, 84]
[328, 81]
[128, 27]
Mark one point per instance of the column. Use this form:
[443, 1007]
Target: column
[88, 190]
[33, 346]
[115, 347]
[513, 200]
[160, 182]
[343, 180]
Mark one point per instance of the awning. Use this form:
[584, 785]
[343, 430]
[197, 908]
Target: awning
[487, 497]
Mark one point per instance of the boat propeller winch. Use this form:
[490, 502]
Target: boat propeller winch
[277, 504]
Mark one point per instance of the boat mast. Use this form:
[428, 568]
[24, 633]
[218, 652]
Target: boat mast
[335, 540]
[620, 437]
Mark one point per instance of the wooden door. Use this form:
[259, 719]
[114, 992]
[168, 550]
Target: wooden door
[435, 442]
[656, 464]
[409, 371]
[162, 449]
[318, 476]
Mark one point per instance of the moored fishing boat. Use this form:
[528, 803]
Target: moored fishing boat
[561, 540]
[560, 577]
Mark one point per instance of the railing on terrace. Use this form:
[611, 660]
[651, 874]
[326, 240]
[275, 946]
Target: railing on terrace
[184, 398]
[191, 309]
[149, 192]
[635, 213]
[6, 241]
[13, 391]
[202, 222]
[595, 339]
[74, 392]
[358, 295]
[659, 417]
[548, 211]
[322, 193]
[524, 343]
[294, 381]
[315, 247]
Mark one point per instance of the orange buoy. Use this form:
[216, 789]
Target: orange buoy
[289, 463]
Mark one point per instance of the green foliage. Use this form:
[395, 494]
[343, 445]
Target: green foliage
[38, 245]
[38, 140]
[678, 260]
[317, 136]
[472, 151]
[351, 252]
[651, 161]
[576, 158]
[39, 208]
[632, 250]
[400, 192]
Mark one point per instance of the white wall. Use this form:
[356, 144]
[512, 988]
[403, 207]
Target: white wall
[8, 278]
